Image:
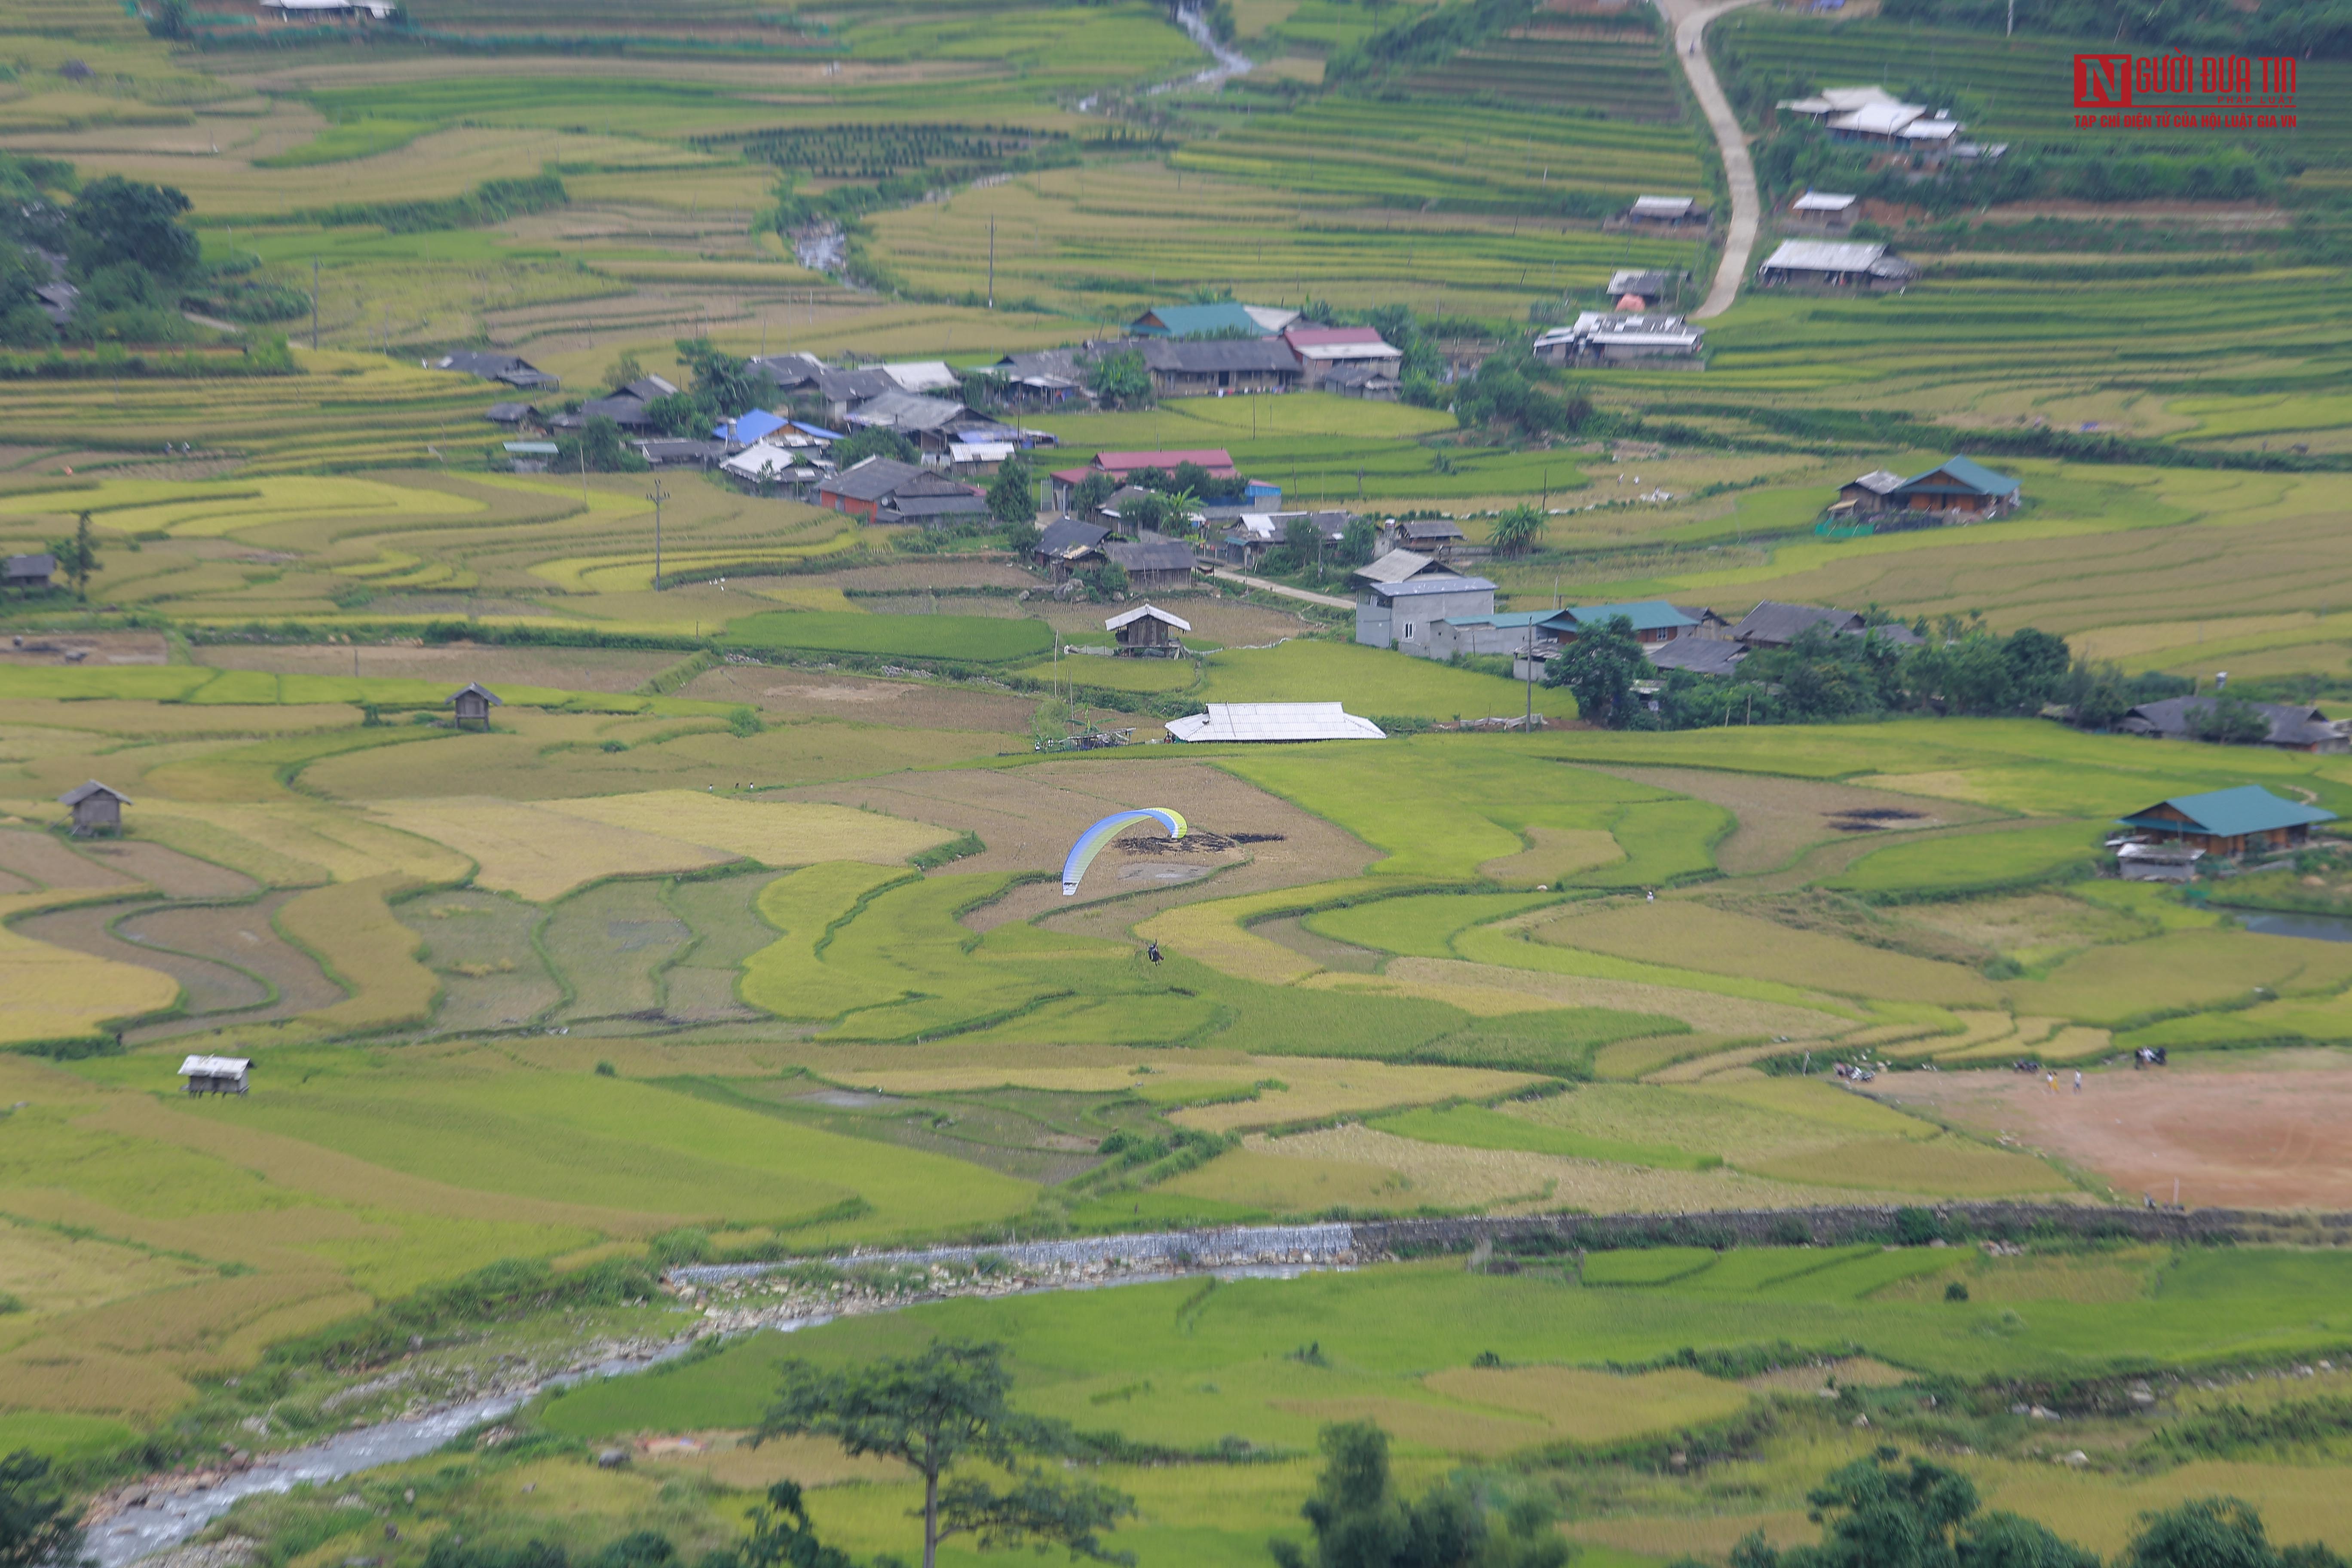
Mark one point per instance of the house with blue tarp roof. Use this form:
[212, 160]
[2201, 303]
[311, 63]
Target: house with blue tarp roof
[2237, 821]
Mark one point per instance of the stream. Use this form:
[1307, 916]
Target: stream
[1082, 1263]
[1231, 61]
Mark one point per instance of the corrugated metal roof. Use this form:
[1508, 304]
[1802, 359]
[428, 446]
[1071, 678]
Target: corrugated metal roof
[1823, 255]
[1275, 721]
[214, 1067]
[1209, 458]
[1143, 611]
[2228, 812]
[1823, 202]
[1419, 587]
[1973, 476]
[82, 792]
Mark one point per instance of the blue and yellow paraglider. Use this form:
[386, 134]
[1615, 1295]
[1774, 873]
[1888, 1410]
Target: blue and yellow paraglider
[1090, 842]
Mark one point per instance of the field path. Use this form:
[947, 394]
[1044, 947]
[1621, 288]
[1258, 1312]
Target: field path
[1288, 593]
[1690, 22]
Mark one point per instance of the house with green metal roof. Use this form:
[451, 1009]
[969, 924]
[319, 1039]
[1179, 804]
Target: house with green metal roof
[1224, 318]
[1958, 484]
[1654, 620]
[2229, 821]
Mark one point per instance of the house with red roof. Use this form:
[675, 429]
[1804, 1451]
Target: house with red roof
[1322, 349]
[1122, 466]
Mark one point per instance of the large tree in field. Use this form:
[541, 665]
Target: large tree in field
[35, 1524]
[115, 220]
[933, 1411]
[1599, 667]
[1360, 1521]
[1875, 1515]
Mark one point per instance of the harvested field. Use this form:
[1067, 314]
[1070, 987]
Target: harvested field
[1684, 932]
[1497, 989]
[1587, 1407]
[772, 832]
[1779, 818]
[2272, 1131]
[45, 860]
[1287, 1183]
[609, 944]
[170, 872]
[58, 993]
[1312, 1089]
[96, 649]
[833, 694]
[245, 936]
[566, 669]
[206, 986]
[537, 853]
[913, 575]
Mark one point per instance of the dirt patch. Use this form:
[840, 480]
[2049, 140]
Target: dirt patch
[87, 649]
[1029, 817]
[567, 670]
[831, 694]
[1781, 817]
[2261, 1132]
[244, 935]
[43, 861]
[168, 871]
[206, 986]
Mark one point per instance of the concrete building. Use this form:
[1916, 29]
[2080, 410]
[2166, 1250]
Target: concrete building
[1831, 266]
[1601, 339]
[1826, 213]
[1400, 614]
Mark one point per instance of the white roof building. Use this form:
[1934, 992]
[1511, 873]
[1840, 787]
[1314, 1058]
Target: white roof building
[1837, 100]
[923, 375]
[1821, 202]
[1275, 721]
[1273, 318]
[216, 1067]
[769, 460]
[1146, 612]
[1662, 206]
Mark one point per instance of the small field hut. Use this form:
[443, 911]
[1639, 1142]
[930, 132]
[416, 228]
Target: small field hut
[473, 706]
[96, 808]
[216, 1075]
[1147, 632]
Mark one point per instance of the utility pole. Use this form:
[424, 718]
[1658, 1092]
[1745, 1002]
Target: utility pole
[1530, 727]
[2012, 30]
[992, 256]
[314, 304]
[658, 495]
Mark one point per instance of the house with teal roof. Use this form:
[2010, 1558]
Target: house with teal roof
[2247, 819]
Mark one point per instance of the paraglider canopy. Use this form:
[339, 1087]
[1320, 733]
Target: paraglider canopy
[1090, 842]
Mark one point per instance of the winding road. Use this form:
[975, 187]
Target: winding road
[1689, 19]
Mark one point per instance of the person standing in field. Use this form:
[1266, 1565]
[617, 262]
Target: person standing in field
[2078, 1080]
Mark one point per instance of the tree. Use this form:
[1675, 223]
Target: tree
[1519, 529]
[781, 1536]
[1092, 492]
[1121, 379]
[169, 19]
[1013, 495]
[1599, 667]
[77, 557]
[2204, 1532]
[114, 219]
[35, 1524]
[1359, 1521]
[23, 322]
[2037, 663]
[855, 448]
[623, 370]
[599, 448]
[1923, 1516]
[678, 413]
[1361, 537]
[2229, 720]
[727, 387]
[931, 1411]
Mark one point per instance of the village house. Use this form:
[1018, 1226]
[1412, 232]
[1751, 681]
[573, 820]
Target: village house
[1066, 544]
[1600, 338]
[511, 369]
[1147, 632]
[1215, 461]
[884, 489]
[514, 416]
[1705, 622]
[1866, 494]
[1223, 318]
[1642, 287]
[1400, 614]
[1050, 379]
[2248, 819]
[845, 391]
[1775, 625]
[1660, 213]
[1322, 349]
[472, 704]
[96, 809]
[1654, 620]
[1370, 380]
[1153, 562]
[1436, 538]
[1958, 485]
[1273, 722]
[27, 571]
[628, 406]
[1830, 264]
[1699, 655]
[2294, 726]
[1824, 214]
[927, 377]
[790, 372]
[1219, 367]
[216, 1074]
[768, 469]
[1874, 117]
[1521, 634]
[681, 451]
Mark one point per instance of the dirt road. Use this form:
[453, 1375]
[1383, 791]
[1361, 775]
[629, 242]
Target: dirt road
[1690, 19]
